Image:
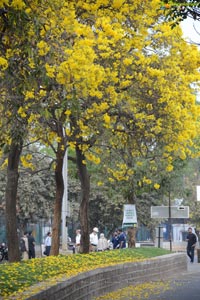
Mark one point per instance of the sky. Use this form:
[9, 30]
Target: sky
[191, 30]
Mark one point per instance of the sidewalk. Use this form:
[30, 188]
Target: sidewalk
[176, 246]
[184, 286]
[193, 267]
[180, 286]
[39, 249]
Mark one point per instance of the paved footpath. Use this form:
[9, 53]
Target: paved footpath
[185, 286]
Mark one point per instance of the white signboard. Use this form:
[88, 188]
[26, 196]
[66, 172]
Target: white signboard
[177, 212]
[198, 192]
[130, 216]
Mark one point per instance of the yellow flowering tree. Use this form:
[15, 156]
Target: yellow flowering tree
[103, 76]
[125, 84]
[15, 78]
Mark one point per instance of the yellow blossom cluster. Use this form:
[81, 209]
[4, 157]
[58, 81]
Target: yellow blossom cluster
[139, 291]
[110, 72]
[26, 161]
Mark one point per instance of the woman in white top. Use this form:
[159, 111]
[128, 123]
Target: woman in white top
[102, 243]
[78, 240]
[47, 244]
[25, 247]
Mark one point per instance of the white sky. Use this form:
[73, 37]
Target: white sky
[191, 30]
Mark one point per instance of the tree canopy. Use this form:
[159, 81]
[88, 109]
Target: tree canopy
[179, 10]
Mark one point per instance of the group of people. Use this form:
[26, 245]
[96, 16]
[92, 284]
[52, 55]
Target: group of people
[27, 245]
[100, 243]
[97, 243]
[118, 241]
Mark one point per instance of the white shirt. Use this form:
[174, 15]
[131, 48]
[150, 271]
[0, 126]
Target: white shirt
[78, 239]
[48, 241]
[93, 239]
[26, 242]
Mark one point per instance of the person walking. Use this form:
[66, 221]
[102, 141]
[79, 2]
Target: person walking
[191, 243]
[78, 241]
[47, 244]
[31, 246]
[102, 243]
[94, 239]
[24, 246]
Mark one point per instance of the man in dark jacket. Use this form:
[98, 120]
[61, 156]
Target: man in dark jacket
[121, 239]
[31, 246]
[192, 240]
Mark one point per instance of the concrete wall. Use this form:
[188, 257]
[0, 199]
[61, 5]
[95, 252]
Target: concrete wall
[94, 283]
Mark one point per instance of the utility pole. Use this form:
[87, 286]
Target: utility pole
[170, 221]
[65, 209]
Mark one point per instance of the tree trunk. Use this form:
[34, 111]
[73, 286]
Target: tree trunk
[11, 201]
[132, 237]
[58, 204]
[85, 188]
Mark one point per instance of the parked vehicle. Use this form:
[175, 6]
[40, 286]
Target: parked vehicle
[3, 252]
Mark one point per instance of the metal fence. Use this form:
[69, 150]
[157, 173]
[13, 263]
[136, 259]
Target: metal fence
[39, 229]
[2, 229]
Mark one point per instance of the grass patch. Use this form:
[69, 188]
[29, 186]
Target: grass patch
[149, 252]
[17, 277]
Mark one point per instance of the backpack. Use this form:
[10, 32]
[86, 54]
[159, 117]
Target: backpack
[22, 245]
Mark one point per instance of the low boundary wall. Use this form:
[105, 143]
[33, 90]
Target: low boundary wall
[88, 285]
